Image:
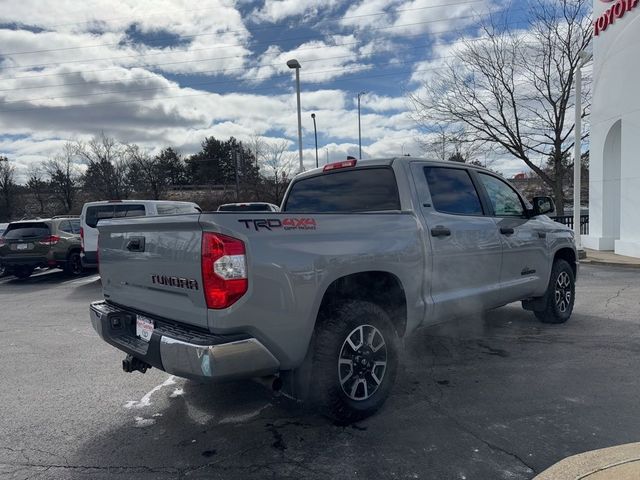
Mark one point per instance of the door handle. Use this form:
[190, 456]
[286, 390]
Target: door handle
[507, 230]
[542, 235]
[440, 231]
[136, 244]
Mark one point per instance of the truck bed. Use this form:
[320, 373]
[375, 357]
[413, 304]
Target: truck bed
[292, 259]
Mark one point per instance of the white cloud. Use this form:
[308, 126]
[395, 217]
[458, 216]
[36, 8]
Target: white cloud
[321, 60]
[381, 103]
[277, 10]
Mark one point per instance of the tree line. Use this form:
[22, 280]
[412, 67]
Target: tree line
[107, 169]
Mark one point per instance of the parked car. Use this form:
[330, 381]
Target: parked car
[93, 212]
[318, 298]
[43, 243]
[3, 227]
[249, 207]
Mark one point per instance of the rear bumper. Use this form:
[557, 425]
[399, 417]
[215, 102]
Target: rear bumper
[183, 352]
[89, 259]
[27, 260]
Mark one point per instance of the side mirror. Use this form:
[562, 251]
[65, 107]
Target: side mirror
[543, 205]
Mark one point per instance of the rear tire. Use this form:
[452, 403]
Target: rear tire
[23, 272]
[355, 361]
[560, 295]
[73, 266]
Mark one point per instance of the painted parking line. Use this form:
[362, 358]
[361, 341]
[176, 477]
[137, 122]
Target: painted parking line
[82, 281]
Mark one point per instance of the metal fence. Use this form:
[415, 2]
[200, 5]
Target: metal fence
[568, 221]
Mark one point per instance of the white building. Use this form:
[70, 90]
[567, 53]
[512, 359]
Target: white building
[614, 170]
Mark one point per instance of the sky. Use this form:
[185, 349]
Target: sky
[163, 73]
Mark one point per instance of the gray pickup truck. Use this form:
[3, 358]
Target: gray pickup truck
[317, 298]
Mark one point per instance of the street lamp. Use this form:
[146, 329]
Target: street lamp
[293, 63]
[577, 156]
[315, 134]
[359, 129]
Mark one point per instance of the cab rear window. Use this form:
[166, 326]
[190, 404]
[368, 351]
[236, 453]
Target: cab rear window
[245, 207]
[19, 231]
[360, 190]
[102, 212]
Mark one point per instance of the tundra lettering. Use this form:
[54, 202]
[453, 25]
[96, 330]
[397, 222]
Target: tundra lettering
[178, 282]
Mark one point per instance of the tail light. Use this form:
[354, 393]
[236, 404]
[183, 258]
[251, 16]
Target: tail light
[2, 241]
[82, 239]
[49, 241]
[224, 270]
[339, 165]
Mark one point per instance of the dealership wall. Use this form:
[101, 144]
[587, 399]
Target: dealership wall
[614, 170]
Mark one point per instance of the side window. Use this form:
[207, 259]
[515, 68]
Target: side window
[129, 211]
[75, 226]
[65, 226]
[504, 199]
[96, 213]
[452, 191]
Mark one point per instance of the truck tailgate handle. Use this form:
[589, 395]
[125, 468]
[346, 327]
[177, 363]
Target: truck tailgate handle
[440, 231]
[136, 244]
[507, 230]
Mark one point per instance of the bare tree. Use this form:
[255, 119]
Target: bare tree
[147, 173]
[278, 163]
[258, 147]
[64, 176]
[447, 143]
[514, 90]
[7, 187]
[107, 167]
[37, 186]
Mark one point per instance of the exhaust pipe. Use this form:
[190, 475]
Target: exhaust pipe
[133, 364]
[272, 382]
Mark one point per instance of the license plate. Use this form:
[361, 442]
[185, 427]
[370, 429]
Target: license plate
[22, 246]
[144, 327]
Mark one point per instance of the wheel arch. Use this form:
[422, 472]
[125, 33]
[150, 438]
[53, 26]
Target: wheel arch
[569, 255]
[382, 288]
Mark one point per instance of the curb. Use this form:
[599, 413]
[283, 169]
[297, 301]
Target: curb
[604, 263]
[621, 462]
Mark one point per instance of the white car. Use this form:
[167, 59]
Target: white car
[93, 212]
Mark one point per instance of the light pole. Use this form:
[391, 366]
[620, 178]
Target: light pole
[577, 155]
[293, 63]
[315, 134]
[359, 128]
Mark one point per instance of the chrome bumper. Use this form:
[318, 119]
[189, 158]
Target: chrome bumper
[243, 358]
[221, 361]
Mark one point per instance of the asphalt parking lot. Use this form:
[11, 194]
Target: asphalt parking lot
[494, 397]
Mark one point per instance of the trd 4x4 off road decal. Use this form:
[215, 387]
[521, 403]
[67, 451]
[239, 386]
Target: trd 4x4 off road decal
[287, 223]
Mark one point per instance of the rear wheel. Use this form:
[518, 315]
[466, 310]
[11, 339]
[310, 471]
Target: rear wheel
[355, 361]
[23, 272]
[73, 266]
[560, 295]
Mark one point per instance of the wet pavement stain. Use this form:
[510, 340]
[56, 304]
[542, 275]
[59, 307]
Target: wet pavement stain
[493, 351]
[278, 443]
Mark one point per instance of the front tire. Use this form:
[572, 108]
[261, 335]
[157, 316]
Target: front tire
[355, 360]
[560, 295]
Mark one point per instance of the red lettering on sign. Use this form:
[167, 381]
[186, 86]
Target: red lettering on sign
[618, 10]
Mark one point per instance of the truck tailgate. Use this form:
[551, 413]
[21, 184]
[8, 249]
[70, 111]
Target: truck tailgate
[153, 265]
